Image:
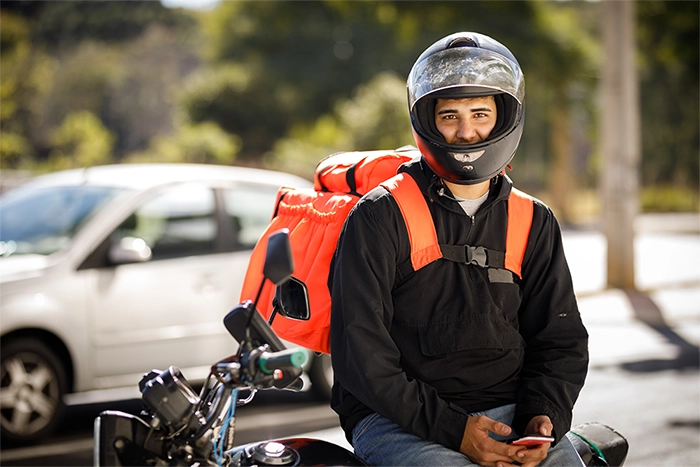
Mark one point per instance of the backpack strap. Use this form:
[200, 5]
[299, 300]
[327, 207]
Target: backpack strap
[419, 221]
[424, 242]
[520, 211]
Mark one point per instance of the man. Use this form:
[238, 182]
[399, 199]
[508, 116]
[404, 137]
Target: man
[441, 366]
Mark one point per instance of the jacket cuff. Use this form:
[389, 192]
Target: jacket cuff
[525, 412]
[450, 427]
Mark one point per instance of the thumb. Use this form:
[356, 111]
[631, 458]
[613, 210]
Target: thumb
[501, 428]
[546, 428]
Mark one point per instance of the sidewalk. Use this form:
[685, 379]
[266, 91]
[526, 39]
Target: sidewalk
[644, 377]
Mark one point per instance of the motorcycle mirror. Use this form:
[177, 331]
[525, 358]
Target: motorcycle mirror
[279, 263]
[292, 300]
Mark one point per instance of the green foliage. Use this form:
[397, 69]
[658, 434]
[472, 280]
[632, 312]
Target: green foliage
[25, 81]
[229, 95]
[670, 198]
[288, 82]
[375, 118]
[116, 60]
[81, 141]
[203, 143]
[669, 52]
[303, 57]
[67, 23]
[15, 151]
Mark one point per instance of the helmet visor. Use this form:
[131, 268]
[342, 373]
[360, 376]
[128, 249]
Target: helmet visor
[477, 71]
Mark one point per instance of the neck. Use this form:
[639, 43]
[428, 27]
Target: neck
[468, 191]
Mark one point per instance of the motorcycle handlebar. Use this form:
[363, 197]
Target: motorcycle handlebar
[288, 358]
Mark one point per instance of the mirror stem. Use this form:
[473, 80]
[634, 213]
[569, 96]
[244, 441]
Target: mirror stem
[272, 316]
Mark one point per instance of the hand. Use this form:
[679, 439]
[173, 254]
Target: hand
[539, 425]
[481, 449]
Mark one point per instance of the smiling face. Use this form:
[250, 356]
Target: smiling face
[465, 121]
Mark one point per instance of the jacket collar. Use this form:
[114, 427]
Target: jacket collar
[436, 191]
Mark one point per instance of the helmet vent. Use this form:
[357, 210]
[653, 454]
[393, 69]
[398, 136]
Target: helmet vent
[462, 42]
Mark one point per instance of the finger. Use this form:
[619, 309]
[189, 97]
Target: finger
[488, 424]
[532, 455]
[506, 464]
[546, 428]
[493, 459]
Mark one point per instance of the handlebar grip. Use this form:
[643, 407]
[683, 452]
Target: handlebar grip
[271, 361]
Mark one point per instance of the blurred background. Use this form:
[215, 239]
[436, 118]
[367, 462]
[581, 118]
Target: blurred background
[282, 84]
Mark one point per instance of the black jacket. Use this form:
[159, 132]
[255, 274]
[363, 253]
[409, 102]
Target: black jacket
[427, 349]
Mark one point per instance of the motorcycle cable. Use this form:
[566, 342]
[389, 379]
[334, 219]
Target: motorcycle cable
[226, 433]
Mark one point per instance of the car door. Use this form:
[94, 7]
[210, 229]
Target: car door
[169, 310]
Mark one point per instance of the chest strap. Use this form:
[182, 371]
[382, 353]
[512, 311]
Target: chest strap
[423, 237]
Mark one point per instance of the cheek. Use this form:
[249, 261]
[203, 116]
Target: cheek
[445, 128]
[487, 127]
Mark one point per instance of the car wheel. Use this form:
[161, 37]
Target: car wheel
[32, 385]
[321, 375]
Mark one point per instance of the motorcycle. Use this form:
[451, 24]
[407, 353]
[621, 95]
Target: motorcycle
[179, 427]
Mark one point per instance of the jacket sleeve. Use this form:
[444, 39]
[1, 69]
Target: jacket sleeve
[366, 361]
[556, 358]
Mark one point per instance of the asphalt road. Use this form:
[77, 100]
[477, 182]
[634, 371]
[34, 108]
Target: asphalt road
[270, 415]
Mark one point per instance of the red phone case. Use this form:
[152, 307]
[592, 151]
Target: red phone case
[532, 440]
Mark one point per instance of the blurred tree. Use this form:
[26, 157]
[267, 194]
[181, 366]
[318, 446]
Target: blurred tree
[375, 118]
[25, 80]
[669, 53]
[81, 141]
[204, 143]
[58, 25]
[299, 58]
[141, 105]
[296, 60]
[566, 61]
[120, 62]
[283, 70]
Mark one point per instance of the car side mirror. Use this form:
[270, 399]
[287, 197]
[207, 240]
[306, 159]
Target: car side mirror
[129, 250]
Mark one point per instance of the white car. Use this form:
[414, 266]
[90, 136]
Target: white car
[111, 271]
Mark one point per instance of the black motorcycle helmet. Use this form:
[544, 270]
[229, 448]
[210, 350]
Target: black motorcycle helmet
[467, 64]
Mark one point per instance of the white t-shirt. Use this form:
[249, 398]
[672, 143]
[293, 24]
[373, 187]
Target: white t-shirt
[470, 206]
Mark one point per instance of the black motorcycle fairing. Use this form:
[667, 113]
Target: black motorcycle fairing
[599, 445]
[293, 451]
[123, 439]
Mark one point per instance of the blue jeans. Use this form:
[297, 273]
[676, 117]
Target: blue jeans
[380, 442]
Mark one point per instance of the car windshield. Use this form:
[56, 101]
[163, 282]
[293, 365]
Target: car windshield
[45, 220]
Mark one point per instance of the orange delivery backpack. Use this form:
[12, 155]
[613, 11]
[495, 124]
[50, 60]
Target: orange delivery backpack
[315, 217]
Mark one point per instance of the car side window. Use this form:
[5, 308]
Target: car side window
[249, 207]
[175, 222]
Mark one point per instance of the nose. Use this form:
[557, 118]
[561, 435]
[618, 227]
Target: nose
[466, 132]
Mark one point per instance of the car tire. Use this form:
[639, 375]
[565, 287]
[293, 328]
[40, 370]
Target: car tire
[32, 385]
[321, 374]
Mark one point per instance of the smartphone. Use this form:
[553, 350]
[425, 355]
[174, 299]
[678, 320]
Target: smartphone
[534, 440]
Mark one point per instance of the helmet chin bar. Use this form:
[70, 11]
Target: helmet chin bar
[469, 167]
[467, 157]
